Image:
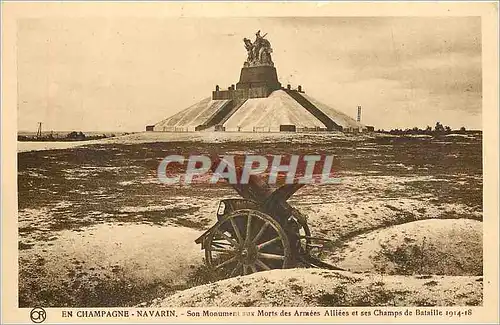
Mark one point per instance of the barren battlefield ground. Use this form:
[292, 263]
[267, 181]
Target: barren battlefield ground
[97, 228]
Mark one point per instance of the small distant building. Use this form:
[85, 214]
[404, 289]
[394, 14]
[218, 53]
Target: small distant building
[288, 128]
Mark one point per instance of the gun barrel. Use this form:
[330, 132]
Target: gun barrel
[256, 189]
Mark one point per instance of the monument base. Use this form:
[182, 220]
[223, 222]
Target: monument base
[257, 77]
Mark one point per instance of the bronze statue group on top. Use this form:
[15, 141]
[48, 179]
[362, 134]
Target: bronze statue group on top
[259, 52]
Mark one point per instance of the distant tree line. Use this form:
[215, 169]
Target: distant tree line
[437, 130]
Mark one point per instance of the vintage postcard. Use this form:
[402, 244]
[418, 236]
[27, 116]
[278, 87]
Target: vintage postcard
[249, 162]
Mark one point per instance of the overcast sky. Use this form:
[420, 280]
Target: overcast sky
[123, 74]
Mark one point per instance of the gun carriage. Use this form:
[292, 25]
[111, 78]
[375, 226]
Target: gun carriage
[258, 232]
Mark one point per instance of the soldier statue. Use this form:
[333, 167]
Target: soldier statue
[259, 52]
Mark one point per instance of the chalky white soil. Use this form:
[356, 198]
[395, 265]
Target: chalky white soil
[446, 247]
[207, 137]
[314, 288]
[105, 263]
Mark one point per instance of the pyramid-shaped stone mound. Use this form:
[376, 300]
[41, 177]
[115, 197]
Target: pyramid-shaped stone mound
[258, 103]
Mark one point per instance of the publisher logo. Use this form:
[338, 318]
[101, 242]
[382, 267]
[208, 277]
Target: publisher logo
[38, 315]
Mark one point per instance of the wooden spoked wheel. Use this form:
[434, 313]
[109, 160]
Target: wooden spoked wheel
[245, 242]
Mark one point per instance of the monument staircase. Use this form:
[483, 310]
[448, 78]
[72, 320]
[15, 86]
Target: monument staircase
[311, 108]
[237, 103]
[222, 114]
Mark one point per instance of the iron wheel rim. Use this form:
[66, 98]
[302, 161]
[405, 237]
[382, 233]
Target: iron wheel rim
[245, 242]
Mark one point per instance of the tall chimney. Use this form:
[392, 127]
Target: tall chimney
[359, 114]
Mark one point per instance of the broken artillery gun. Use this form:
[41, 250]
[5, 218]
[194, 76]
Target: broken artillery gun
[260, 231]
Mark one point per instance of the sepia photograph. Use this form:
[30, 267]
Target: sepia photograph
[224, 165]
